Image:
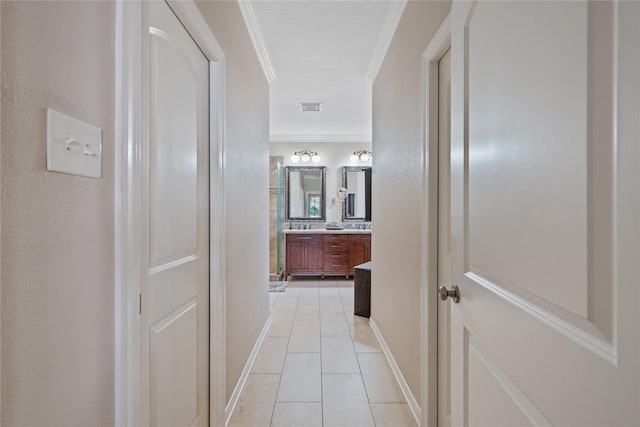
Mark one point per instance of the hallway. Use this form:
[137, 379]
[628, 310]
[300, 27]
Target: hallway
[320, 365]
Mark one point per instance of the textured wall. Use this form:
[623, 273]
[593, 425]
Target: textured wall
[396, 186]
[246, 183]
[57, 230]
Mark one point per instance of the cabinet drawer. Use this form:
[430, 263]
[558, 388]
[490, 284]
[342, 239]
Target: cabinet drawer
[303, 238]
[339, 238]
[336, 260]
[359, 237]
[335, 246]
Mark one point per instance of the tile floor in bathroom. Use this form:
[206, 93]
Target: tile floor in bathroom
[320, 366]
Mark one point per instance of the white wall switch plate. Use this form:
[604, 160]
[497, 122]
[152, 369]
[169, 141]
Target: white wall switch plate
[73, 146]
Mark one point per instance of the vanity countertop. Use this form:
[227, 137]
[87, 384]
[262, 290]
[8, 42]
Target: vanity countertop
[325, 231]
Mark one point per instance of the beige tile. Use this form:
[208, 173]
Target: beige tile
[338, 356]
[304, 344]
[346, 293]
[280, 325]
[378, 379]
[288, 414]
[306, 329]
[344, 283]
[273, 297]
[333, 325]
[329, 293]
[309, 284]
[345, 290]
[347, 300]
[348, 310]
[364, 341]
[308, 308]
[333, 305]
[306, 316]
[345, 401]
[285, 306]
[291, 293]
[309, 300]
[392, 415]
[256, 402]
[301, 378]
[271, 356]
[353, 321]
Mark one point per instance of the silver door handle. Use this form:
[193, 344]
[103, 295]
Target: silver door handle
[453, 293]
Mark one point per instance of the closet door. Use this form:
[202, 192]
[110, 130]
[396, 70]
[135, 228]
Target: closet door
[175, 291]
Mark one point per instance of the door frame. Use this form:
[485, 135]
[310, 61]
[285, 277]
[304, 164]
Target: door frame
[128, 212]
[438, 46]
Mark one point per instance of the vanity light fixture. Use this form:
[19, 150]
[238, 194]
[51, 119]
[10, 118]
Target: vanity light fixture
[305, 156]
[362, 155]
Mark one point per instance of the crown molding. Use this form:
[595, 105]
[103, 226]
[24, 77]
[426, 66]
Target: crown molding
[320, 138]
[259, 43]
[386, 35]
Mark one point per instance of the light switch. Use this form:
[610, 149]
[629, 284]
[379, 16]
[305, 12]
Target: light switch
[73, 146]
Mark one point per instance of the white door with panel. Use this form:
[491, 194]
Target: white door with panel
[175, 242]
[545, 214]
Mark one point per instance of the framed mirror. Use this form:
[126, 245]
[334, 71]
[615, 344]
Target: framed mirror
[305, 198]
[357, 205]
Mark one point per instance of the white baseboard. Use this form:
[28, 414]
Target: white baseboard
[404, 387]
[235, 397]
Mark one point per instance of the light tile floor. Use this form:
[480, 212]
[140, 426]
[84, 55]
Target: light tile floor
[320, 366]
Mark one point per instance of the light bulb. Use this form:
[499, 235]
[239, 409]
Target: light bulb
[315, 158]
[305, 157]
[365, 157]
[295, 158]
[354, 158]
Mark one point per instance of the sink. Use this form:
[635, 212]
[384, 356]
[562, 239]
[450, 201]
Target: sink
[333, 226]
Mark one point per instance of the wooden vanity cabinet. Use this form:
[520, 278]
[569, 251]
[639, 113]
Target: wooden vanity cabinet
[304, 254]
[320, 254]
[335, 254]
[359, 250]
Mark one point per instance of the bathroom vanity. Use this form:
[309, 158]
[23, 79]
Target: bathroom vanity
[326, 252]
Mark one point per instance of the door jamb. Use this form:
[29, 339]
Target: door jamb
[128, 214]
[438, 46]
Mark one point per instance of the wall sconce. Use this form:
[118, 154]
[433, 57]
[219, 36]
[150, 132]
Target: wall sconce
[362, 155]
[305, 156]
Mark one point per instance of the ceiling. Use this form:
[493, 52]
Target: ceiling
[323, 51]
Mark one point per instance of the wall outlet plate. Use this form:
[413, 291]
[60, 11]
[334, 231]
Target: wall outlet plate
[73, 146]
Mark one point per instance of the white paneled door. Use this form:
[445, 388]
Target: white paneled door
[175, 290]
[544, 214]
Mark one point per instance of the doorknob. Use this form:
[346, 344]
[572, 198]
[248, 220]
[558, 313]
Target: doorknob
[454, 293]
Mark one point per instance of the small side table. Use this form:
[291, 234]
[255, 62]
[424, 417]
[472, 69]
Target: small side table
[362, 290]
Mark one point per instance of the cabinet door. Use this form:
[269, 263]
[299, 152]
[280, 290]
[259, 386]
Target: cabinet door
[313, 255]
[367, 248]
[295, 255]
[357, 254]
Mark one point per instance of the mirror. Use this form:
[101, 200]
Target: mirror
[305, 195]
[357, 204]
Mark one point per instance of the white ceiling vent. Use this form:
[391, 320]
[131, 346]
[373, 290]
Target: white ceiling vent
[310, 106]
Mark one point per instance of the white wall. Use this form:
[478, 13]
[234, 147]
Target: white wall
[333, 155]
[396, 186]
[57, 230]
[246, 183]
